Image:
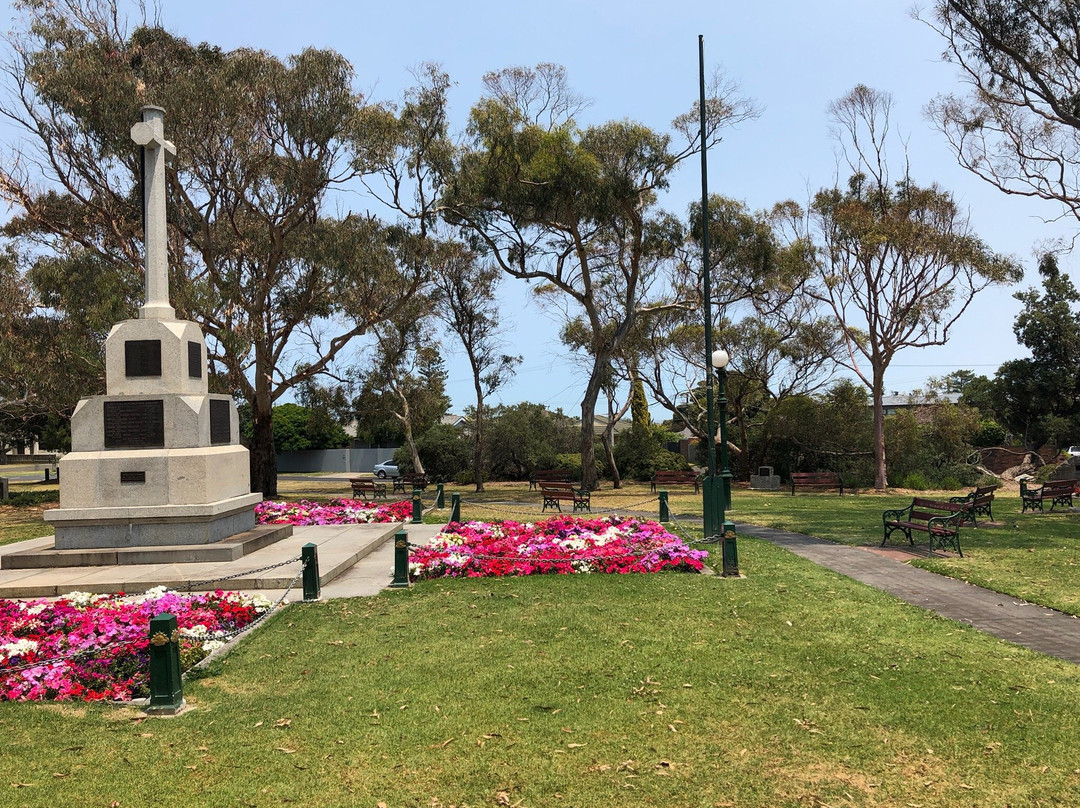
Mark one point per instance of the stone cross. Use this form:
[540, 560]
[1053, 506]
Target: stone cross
[150, 134]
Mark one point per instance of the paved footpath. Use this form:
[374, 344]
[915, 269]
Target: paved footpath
[1035, 627]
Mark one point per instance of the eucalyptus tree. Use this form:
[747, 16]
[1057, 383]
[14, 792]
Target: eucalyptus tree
[406, 377]
[279, 284]
[1019, 126]
[575, 208]
[898, 264]
[469, 307]
[779, 341]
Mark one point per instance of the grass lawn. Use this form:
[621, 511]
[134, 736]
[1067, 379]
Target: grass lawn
[1033, 556]
[793, 687]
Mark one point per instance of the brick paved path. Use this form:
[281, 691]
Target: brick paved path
[1036, 627]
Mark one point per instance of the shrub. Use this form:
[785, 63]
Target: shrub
[28, 499]
[916, 481]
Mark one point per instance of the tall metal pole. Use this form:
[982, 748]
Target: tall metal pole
[709, 503]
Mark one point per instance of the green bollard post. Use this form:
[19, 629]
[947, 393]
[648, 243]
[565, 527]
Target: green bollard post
[455, 507]
[440, 501]
[665, 514]
[166, 686]
[731, 553]
[309, 554]
[401, 560]
[417, 507]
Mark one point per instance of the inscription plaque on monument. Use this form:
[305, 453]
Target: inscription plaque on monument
[132, 477]
[220, 422]
[194, 360]
[142, 357]
[134, 424]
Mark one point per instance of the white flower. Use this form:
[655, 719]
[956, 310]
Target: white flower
[81, 599]
[37, 608]
[212, 645]
[18, 648]
[195, 632]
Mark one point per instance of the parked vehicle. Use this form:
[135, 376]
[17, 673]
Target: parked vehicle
[1073, 452]
[386, 469]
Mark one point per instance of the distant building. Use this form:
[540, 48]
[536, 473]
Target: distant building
[897, 402]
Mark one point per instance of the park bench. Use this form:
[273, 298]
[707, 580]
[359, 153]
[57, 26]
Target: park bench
[663, 478]
[548, 476]
[362, 487]
[407, 482]
[977, 503]
[939, 520]
[555, 492]
[1059, 492]
[816, 479]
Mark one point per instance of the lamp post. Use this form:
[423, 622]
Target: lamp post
[720, 361]
[716, 491]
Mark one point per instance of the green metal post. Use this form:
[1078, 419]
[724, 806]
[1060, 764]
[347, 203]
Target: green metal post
[440, 501]
[166, 686]
[665, 514]
[731, 557]
[708, 509]
[455, 507]
[401, 560]
[417, 507]
[309, 555]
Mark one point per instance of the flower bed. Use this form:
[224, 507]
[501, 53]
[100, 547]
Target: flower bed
[337, 512]
[561, 545]
[113, 630]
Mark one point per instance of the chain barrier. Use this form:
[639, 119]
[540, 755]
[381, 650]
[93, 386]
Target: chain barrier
[685, 533]
[96, 651]
[199, 584]
[273, 607]
[633, 507]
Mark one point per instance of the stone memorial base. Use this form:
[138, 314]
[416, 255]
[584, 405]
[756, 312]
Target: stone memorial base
[152, 525]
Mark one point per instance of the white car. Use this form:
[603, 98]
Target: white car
[1073, 451]
[388, 468]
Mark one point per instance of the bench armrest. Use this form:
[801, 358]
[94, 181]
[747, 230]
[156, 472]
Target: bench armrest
[944, 523]
[896, 513]
[966, 498]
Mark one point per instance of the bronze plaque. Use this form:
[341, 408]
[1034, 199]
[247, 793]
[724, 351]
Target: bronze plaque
[194, 360]
[142, 357]
[220, 422]
[135, 424]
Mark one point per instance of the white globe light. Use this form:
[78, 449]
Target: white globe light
[720, 358]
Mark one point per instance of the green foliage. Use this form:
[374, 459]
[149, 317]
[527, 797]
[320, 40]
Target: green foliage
[30, 499]
[990, 433]
[916, 481]
[444, 450]
[298, 428]
[640, 453]
[523, 438]
[1039, 398]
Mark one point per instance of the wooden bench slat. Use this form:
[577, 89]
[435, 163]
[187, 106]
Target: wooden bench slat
[940, 520]
[1059, 492]
[816, 479]
[557, 492]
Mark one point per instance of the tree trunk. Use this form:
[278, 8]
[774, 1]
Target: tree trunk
[609, 451]
[588, 439]
[262, 457]
[881, 480]
[478, 437]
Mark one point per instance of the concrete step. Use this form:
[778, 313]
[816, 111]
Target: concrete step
[229, 549]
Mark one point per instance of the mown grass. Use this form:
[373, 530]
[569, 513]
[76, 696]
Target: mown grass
[792, 687]
[1033, 556]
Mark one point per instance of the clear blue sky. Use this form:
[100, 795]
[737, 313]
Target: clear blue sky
[639, 60]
